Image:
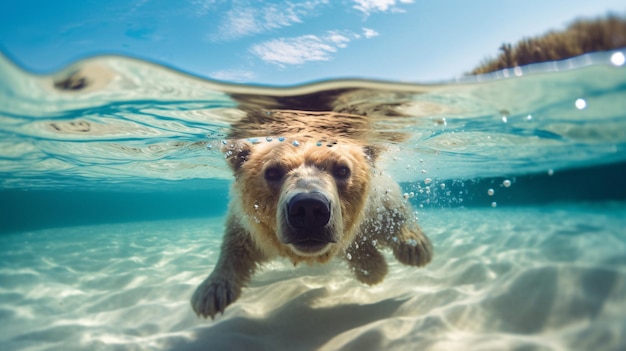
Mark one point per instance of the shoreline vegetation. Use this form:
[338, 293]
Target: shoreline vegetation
[580, 37]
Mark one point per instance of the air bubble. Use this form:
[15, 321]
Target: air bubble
[268, 139]
[295, 143]
[348, 256]
[529, 117]
[494, 204]
[411, 194]
[580, 104]
[319, 143]
[490, 192]
[281, 139]
[406, 196]
[618, 59]
[504, 119]
[551, 172]
[374, 242]
[506, 183]
[428, 181]
[209, 147]
[442, 186]
[224, 142]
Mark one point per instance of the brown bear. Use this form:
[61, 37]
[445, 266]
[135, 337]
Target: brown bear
[309, 196]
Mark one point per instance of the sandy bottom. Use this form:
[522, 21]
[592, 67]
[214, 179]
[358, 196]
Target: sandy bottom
[548, 278]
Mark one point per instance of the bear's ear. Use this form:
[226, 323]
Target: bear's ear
[372, 152]
[236, 152]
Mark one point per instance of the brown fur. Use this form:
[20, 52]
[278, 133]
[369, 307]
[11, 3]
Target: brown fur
[582, 36]
[262, 206]
[368, 210]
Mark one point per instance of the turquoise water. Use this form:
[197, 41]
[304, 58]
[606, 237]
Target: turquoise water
[113, 192]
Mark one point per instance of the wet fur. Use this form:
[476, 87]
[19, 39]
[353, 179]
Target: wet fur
[373, 215]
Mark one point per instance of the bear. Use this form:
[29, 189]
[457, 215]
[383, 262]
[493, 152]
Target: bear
[310, 195]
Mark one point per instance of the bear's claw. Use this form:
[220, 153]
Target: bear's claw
[213, 296]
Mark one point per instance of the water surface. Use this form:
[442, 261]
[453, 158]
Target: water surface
[113, 192]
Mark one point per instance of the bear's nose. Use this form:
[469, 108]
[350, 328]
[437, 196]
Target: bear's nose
[308, 210]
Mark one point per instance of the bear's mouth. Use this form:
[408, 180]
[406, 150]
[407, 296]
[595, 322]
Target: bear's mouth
[310, 245]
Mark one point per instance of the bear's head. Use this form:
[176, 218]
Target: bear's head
[302, 199]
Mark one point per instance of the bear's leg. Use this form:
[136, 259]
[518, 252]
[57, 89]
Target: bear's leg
[411, 246]
[238, 260]
[394, 226]
[367, 263]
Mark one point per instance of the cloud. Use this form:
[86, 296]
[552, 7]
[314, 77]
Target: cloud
[369, 33]
[233, 75]
[244, 19]
[370, 6]
[306, 48]
[298, 50]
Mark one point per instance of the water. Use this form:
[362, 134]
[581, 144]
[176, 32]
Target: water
[113, 192]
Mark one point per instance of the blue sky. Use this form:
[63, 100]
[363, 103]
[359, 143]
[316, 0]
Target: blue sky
[284, 42]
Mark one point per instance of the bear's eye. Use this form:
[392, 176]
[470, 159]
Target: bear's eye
[273, 174]
[341, 172]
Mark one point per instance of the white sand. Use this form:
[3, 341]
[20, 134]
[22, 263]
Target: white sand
[549, 278]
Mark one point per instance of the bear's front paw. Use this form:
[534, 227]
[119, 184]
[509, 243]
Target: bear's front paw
[413, 248]
[213, 295]
[373, 276]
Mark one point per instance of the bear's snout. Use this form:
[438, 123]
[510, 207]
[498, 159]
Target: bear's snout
[309, 229]
[308, 211]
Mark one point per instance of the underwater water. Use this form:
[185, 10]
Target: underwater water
[113, 192]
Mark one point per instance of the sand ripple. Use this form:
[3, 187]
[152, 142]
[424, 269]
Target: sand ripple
[551, 278]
